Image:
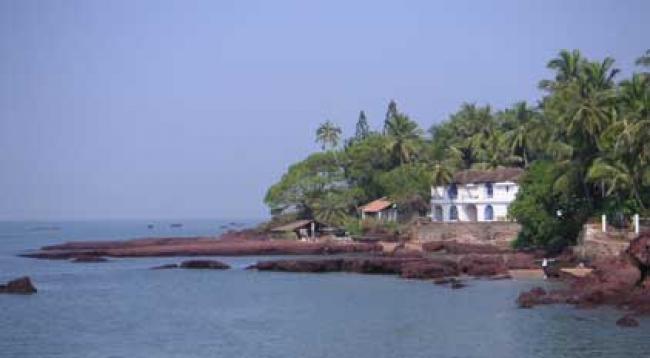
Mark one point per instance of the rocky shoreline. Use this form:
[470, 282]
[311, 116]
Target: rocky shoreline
[623, 282]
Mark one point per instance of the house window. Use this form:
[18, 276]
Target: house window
[453, 213]
[452, 192]
[489, 190]
[489, 213]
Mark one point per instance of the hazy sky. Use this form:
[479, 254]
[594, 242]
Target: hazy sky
[179, 109]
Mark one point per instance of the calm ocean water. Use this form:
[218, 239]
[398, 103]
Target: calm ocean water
[123, 309]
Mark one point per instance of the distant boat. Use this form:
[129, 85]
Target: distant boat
[150, 226]
[176, 225]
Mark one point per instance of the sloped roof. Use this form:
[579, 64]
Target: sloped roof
[292, 225]
[484, 176]
[376, 206]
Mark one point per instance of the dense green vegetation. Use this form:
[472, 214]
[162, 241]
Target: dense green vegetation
[585, 145]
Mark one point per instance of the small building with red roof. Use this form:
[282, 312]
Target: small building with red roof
[380, 209]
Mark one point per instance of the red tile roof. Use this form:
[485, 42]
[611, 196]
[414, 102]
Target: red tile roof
[484, 176]
[377, 205]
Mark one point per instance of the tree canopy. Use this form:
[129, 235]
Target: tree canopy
[585, 145]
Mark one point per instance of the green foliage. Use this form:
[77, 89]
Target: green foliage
[362, 129]
[549, 219]
[353, 226]
[585, 145]
[409, 185]
[304, 183]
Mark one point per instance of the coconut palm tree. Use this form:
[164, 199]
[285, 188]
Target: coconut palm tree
[441, 174]
[526, 134]
[328, 135]
[330, 208]
[644, 60]
[567, 66]
[404, 136]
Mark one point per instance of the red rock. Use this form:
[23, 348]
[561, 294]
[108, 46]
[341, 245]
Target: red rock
[403, 252]
[639, 249]
[483, 265]
[453, 247]
[433, 246]
[375, 265]
[325, 265]
[21, 285]
[427, 269]
[199, 246]
[520, 260]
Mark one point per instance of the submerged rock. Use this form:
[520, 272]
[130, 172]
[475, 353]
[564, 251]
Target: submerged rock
[500, 277]
[22, 285]
[457, 284]
[165, 266]
[531, 298]
[627, 321]
[204, 264]
[442, 281]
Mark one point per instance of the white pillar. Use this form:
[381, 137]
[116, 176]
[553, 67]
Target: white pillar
[603, 222]
[313, 229]
[636, 224]
[379, 215]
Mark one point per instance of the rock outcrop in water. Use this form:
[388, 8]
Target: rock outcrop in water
[618, 281]
[204, 264]
[406, 267]
[233, 243]
[627, 321]
[21, 285]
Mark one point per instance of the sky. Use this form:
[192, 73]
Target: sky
[192, 109]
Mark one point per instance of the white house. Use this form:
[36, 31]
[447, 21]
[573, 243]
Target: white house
[476, 195]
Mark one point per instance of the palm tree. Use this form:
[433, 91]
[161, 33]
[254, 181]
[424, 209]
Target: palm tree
[441, 174]
[644, 60]
[526, 133]
[567, 67]
[617, 176]
[328, 135]
[330, 208]
[403, 137]
[587, 104]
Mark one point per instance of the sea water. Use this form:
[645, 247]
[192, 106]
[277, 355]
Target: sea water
[121, 308]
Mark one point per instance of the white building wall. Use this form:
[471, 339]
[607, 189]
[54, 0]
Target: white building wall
[474, 196]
